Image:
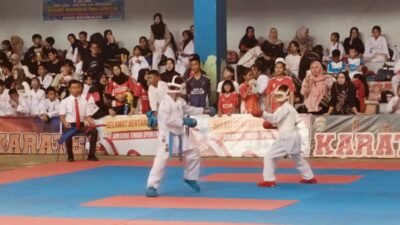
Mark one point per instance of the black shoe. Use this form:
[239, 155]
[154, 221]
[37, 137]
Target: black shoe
[92, 158]
[71, 159]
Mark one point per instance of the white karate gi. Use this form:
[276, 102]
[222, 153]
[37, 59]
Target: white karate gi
[183, 61]
[135, 67]
[288, 142]
[170, 120]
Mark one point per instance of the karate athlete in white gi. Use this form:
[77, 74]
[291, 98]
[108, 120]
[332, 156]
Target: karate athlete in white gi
[173, 123]
[289, 141]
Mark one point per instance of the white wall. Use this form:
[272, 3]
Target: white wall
[23, 17]
[322, 17]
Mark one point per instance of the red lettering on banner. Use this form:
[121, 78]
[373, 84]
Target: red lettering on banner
[364, 144]
[384, 146]
[323, 144]
[345, 144]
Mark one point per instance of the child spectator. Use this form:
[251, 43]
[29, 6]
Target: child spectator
[141, 102]
[17, 105]
[50, 106]
[336, 65]
[228, 74]
[157, 89]
[198, 87]
[36, 96]
[137, 62]
[248, 93]
[335, 45]
[87, 84]
[354, 62]
[60, 81]
[44, 77]
[293, 58]
[228, 100]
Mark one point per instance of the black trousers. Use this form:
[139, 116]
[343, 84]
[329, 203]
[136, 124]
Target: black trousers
[91, 133]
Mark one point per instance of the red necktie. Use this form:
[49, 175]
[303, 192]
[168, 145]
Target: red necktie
[77, 115]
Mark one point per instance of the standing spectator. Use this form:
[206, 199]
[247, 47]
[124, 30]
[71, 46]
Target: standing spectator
[249, 94]
[137, 62]
[343, 97]
[72, 52]
[248, 41]
[54, 63]
[160, 40]
[169, 71]
[157, 89]
[187, 49]
[316, 89]
[303, 38]
[293, 58]
[228, 100]
[198, 87]
[280, 78]
[354, 41]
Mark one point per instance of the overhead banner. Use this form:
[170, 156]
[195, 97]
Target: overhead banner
[83, 10]
[356, 136]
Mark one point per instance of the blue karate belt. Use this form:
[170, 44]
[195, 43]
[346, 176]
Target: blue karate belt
[170, 145]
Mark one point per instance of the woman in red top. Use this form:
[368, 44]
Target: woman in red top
[228, 101]
[362, 89]
[280, 78]
[121, 88]
[248, 93]
[141, 93]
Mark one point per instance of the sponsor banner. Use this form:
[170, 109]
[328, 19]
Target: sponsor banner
[83, 9]
[356, 136]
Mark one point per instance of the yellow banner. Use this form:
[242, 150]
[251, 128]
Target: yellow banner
[126, 123]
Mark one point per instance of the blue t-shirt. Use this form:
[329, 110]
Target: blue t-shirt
[197, 91]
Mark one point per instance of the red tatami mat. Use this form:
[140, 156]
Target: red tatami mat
[190, 203]
[282, 178]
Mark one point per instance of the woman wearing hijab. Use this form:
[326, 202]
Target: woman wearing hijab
[101, 98]
[182, 63]
[343, 96]
[121, 90]
[304, 39]
[248, 41]
[169, 72]
[354, 41]
[160, 40]
[315, 89]
[273, 48]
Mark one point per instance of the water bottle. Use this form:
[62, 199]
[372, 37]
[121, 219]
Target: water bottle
[126, 109]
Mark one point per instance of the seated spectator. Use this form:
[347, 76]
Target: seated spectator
[249, 59]
[44, 77]
[393, 107]
[396, 77]
[259, 70]
[35, 96]
[293, 58]
[79, 64]
[101, 98]
[16, 62]
[4, 99]
[354, 41]
[228, 100]
[124, 60]
[7, 48]
[160, 40]
[198, 87]
[137, 62]
[376, 48]
[141, 103]
[307, 58]
[48, 45]
[303, 38]
[121, 90]
[18, 45]
[169, 71]
[343, 97]
[157, 89]
[228, 74]
[34, 55]
[336, 65]
[273, 47]
[50, 106]
[72, 52]
[279, 78]
[83, 40]
[248, 41]
[182, 64]
[111, 51]
[316, 89]
[17, 105]
[249, 94]
[87, 84]
[54, 63]
[94, 64]
[8, 78]
[354, 62]
[60, 81]
[335, 45]
[145, 49]
[21, 82]
[362, 91]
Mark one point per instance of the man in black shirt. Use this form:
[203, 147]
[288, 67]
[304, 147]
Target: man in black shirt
[93, 64]
[54, 64]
